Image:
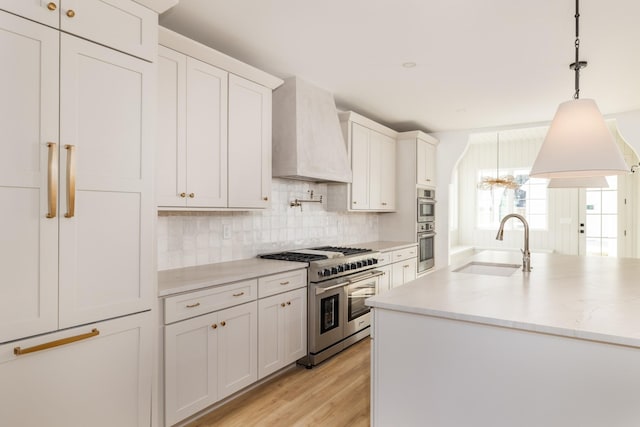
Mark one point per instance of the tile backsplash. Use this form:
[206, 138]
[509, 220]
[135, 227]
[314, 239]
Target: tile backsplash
[194, 238]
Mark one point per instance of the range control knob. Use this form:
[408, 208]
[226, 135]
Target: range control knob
[347, 267]
[334, 270]
[369, 261]
[359, 264]
[353, 266]
[326, 272]
[340, 268]
[375, 260]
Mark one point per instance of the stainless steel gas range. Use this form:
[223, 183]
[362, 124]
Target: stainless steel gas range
[339, 281]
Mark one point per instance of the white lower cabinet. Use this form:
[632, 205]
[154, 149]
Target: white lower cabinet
[208, 358]
[404, 271]
[283, 330]
[400, 266]
[384, 281]
[103, 378]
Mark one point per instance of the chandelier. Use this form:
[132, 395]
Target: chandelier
[505, 181]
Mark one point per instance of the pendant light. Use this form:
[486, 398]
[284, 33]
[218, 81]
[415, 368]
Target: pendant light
[506, 181]
[578, 143]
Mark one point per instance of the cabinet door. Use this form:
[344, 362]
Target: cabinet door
[295, 325]
[410, 269]
[37, 10]
[121, 24]
[249, 144]
[384, 281]
[171, 146]
[29, 120]
[102, 380]
[360, 167]
[105, 121]
[382, 179]
[206, 127]
[282, 338]
[190, 366]
[426, 157]
[237, 348]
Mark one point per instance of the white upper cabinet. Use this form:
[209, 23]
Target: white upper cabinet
[426, 162]
[192, 137]
[214, 138]
[249, 144]
[120, 24]
[417, 154]
[372, 151]
[29, 122]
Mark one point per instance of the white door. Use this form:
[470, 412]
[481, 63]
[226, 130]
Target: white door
[190, 366]
[171, 146]
[237, 348]
[249, 144]
[106, 210]
[600, 214]
[206, 135]
[103, 379]
[360, 167]
[295, 325]
[29, 121]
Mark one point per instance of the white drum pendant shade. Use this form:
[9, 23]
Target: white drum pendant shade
[578, 144]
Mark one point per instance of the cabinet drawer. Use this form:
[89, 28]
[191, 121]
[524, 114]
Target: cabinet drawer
[385, 258]
[200, 302]
[402, 254]
[271, 285]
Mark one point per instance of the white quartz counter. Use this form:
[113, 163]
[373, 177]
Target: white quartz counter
[383, 246]
[193, 278]
[593, 298]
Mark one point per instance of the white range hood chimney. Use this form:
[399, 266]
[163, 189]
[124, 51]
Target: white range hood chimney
[307, 139]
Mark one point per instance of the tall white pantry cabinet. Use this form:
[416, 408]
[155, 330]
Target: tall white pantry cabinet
[76, 264]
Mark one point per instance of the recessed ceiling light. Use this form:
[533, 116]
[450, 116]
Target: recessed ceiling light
[409, 64]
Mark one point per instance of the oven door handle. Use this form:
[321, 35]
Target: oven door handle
[330, 288]
[366, 275]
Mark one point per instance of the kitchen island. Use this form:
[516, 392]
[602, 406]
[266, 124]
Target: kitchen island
[559, 346]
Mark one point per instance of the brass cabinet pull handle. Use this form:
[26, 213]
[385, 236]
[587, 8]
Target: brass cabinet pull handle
[223, 323]
[193, 305]
[284, 283]
[51, 6]
[282, 305]
[238, 295]
[20, 351]
[183, 195]
[214, 326]
[192, 195]
[288, 302]
[71, 181]
[384, 204]
[266, 199]
[71, 13]
[52, 179]
[405, 266]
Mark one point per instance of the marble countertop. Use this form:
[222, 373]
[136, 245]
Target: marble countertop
[593, 298]
[382, 245]
[193, 278]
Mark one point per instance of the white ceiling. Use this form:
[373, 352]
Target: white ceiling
[480, 64]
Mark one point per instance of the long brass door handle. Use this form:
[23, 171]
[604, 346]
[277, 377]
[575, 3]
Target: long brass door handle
[20, 351]
[71, 181]
[52, 179]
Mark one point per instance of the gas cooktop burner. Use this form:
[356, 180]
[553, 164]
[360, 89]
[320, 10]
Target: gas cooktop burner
[315, 254]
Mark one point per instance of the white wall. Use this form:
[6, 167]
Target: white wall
[188, 239]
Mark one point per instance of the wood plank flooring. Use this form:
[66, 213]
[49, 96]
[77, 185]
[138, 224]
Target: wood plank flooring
[332, 394]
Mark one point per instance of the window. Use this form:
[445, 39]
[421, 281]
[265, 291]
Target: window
[529, 200]
[602, 219]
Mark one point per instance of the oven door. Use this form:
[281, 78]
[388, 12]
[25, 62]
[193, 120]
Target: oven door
[326, 314]
[426, 210]
[357, 314]
[426, 242]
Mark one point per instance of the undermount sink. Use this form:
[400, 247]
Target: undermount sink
[488, 268]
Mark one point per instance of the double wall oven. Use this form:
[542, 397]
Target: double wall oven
[426, 213]
[339, 282]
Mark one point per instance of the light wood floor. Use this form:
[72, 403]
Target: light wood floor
[332, 394]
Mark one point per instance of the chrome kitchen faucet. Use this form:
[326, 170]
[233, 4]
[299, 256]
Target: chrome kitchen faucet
[526, 255]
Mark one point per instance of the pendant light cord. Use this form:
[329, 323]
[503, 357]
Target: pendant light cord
[577, 65]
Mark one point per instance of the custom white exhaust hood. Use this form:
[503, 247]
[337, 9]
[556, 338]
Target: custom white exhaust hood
[307, 139]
